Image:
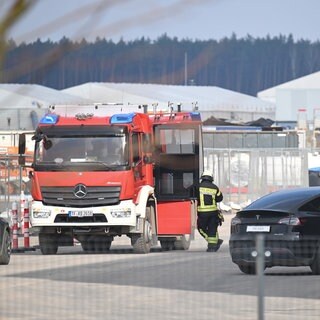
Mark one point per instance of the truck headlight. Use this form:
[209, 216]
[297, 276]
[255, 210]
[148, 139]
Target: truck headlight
[121, 213]
[41, 213]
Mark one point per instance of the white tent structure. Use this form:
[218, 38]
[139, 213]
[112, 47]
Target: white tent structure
[21, 105]
[210, 101]
[295, 99]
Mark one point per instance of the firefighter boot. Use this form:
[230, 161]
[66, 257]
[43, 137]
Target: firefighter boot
[217, 246]
[211, 247]
[214, 247]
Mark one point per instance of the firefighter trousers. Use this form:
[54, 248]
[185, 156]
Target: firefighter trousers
[207, 224]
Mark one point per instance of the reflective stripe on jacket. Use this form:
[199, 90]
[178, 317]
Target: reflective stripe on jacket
[207, 199]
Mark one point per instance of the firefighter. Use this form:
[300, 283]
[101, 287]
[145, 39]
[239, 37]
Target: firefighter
[209, 216]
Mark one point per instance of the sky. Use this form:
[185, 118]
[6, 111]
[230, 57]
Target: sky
[185, 19]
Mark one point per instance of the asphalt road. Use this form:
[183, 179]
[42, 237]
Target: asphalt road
[189, 284]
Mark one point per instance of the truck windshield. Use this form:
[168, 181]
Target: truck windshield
[98, 151]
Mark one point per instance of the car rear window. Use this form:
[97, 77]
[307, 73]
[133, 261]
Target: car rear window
[265, 214]
[279, 201]
[311, 206]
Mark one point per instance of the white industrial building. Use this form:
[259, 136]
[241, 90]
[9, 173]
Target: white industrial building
[295, 100]
[21, 105]
[210, 101]
[299, 99]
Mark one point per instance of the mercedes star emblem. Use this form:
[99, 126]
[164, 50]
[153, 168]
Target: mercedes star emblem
[80, 191]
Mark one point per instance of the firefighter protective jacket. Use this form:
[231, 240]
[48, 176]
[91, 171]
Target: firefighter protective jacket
[208, 196]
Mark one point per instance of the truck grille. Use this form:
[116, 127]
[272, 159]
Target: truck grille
[95, 196]
[64, 218]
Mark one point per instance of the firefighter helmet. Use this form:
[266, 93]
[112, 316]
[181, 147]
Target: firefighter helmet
[207, 175]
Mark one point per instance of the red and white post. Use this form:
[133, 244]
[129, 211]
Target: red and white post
[22, 205]
[26, 236]
[15, 240]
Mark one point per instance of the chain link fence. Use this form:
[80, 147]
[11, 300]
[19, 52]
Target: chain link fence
[14, 181]
[244, 175]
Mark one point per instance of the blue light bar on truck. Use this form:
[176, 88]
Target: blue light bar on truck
[122, 118]
[49, 119]
[195, 116]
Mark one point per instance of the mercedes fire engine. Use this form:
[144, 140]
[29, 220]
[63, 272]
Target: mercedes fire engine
[100, 171]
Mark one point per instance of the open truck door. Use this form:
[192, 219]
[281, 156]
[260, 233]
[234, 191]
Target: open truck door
[178, 163]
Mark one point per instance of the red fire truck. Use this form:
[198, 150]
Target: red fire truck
[100, 171]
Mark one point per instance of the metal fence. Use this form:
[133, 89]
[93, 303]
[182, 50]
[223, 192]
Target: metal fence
[244, 175]
[14, 181]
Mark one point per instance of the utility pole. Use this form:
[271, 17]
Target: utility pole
[185, 69]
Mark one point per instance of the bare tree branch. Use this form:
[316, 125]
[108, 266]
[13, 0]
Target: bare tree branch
[17, 9]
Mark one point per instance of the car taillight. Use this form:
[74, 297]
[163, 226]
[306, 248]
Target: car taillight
[292, 221]
[235, 221]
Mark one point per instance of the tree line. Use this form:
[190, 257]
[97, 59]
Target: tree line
[247, 65]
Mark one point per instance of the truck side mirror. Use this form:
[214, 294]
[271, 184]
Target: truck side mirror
[22, 149]
[148, 160]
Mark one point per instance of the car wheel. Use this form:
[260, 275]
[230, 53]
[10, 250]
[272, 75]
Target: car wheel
[315, 265]
[6, 248]
[247, 269]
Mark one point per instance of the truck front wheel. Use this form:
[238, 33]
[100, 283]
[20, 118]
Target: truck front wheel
[142, 242]
[48, 243]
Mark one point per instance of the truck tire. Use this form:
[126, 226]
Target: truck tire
[315, 265]
[142, 242]
[101, 243]
[48, 243]
[87, 244]
[183, 243]
[6, 248]
[96, 243]
[167, 245]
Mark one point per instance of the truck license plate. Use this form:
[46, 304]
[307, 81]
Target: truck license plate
[80, 213]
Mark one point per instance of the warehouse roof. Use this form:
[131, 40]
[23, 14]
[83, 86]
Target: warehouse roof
[310, 81]
[207, 97]
[32, 96]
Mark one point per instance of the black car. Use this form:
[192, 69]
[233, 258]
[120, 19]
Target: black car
[290, 222]
[5, 242]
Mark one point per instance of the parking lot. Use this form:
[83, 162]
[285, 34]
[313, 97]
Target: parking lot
[189, 284]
